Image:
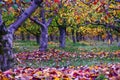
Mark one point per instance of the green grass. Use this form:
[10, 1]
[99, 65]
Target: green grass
[21, 46]
[83, 46]
[88, 46]
[70, 62]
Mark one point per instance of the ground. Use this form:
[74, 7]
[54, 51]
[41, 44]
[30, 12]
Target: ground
[84, 60]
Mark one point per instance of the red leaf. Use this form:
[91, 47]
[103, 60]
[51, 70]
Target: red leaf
[95, 2]
[57, 1]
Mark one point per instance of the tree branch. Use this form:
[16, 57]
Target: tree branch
[117, 20]
[49, 21]
[31, 32]
[57, 22]
[37, 21]
[42, 15]
[116, 28]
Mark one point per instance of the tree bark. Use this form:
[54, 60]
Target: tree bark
[62, 37]
[44, 39]
[6, 55]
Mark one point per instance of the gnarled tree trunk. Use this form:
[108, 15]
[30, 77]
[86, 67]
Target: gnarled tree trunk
[62, 38]
[44, 29]
[6, 39]
[6, 55]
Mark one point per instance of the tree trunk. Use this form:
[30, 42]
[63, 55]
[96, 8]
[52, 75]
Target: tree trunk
[6, 54]
[73, 36]
[28, 36]
[44, 29]
[44, 38]
[62, 36]
[51, 37]
[37, 39]
[22, 36]
[77, 36]
[117, 38]
[81, 37]
[109, 38]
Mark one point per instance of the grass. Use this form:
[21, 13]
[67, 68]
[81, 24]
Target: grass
[71, 62]
[22, 46]
[88, 46]
[83, 46]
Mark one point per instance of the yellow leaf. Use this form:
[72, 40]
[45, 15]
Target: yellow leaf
[4, 78]
[37, 74]
[56, 78]
[66, 79]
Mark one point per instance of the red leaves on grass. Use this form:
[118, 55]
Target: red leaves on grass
[43, 56]
[106, 71]
[58, 55]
